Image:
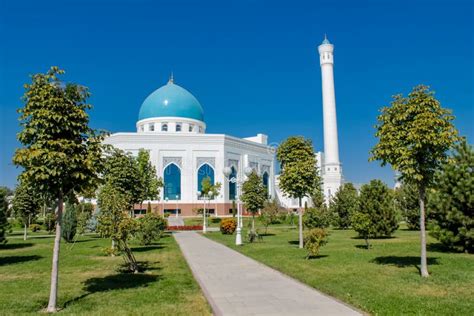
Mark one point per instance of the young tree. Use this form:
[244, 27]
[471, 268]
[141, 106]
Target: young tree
[343, 205]
[254, 195]
[406, 198]
[414, 134]
[69, 228]
[299, 176]
[60, 153]
[4, 226]
[25, 205]
[451, 202]
[363, 225]
[150, 183]
[270, 213]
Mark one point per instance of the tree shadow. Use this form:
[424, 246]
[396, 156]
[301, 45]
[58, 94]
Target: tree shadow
[403, 262]
[18, 259]
[121, 281]
[375, 238]
[294, 242]
[267, 234]
[10, 246]
[147, 248]
[439, 247]
[316, 257]
[363, 247]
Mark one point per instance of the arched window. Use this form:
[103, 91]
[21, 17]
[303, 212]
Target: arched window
[172, 179]
[191, 128]
[232, 185]
[151, 127]
[164, 127]
[203, 172]
[178, 127]
[265, 180]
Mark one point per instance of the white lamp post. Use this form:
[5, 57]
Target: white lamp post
[238, 181]
[204, 222]
[177, 197]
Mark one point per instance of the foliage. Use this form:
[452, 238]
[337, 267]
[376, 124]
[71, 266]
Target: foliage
[314, 239]
[415, 133]
[451, 203]
[50, 222]
[150, 184]
[344, 203]
[61, 154]
[35, 228]
[69, 227]
[228, 226]
[406, 198]
[4, 225]
[254, 195]
[25, 203]
[376, 200]
[271, 213]
[84, 215]
[150, 228]
[317, 217]
[363, 225]
[208, 189]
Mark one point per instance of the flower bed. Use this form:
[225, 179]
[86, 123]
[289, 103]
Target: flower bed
[188, 227]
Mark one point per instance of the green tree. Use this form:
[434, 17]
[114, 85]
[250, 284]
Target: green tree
[363, 225]
[4, 226]
[406, 198]
[414, 134]
[254, 195]
[69, 228]
[150, 183]
[270, 213]
[451, 202]
[299, 175]
[344, 203]
[150, 228]
[376, 200]
[122, 173]
[317, 217]
[25, 205]
[61, 153]
[84, 215]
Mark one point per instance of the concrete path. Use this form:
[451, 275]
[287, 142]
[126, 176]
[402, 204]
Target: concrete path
[237, 285]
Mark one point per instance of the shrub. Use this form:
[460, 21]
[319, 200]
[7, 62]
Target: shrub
[151, 227]
[69, 224]
[362, 224]
[316, 217]
[451, 203]
[376, 201]
[35, 228]
[216, 220]
[343, 205]
[271, 213]
[314, 239]
[228, 226]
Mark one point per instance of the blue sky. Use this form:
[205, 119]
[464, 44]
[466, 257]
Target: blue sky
[253, 65]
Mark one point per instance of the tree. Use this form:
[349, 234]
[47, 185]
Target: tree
[314, 239]
[414, 134]
[317, 217]
[254, 195]
[4, 226]
[84, 215]
[69, 222]
[25, 204]
[299, 176]
[406, 198]
[150, 228]
[150, 184]
[122, 173]
[376, 200]
[343, 205]
[363, 225]
[61, 153]
[208, 191]
[270, 213]
[451, 202]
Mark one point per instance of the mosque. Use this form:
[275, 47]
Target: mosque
[172, 128]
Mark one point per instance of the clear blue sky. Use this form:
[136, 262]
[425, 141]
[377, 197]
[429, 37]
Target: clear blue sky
[253, 65]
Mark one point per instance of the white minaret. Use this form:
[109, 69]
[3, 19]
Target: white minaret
[331, 167]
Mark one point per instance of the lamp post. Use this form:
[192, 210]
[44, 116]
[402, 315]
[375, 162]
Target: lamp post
[204, 222]
[177, 197]
[239, 180]
[166, 199]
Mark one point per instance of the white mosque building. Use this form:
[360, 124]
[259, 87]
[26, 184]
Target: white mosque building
[171, 127]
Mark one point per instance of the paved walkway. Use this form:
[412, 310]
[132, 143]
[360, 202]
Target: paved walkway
[237, 285]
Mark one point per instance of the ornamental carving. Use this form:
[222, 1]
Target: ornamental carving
[211, 161]
[233, 163]
[265, 169]
[176, 160]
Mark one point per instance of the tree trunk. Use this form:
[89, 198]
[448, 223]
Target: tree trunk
[367, 242]
[300, 224]
[53, 294]
[424, 263]
[25, 233]
[253, 222]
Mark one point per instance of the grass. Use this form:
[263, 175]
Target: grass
[383, 280]
[91, 283]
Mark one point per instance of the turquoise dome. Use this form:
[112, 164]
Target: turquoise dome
[171, 100]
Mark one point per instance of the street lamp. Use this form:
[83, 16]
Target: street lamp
[166, 199]
[204, 222]
[177, 197]
[239, 180]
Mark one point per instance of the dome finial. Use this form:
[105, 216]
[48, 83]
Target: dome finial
[171, 79]
[326, 41]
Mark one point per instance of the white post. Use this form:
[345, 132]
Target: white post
[204, 226]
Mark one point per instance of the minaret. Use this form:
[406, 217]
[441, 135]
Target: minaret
[331, 168]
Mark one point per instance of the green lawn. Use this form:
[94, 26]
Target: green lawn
[383, 280]
[93, 284]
